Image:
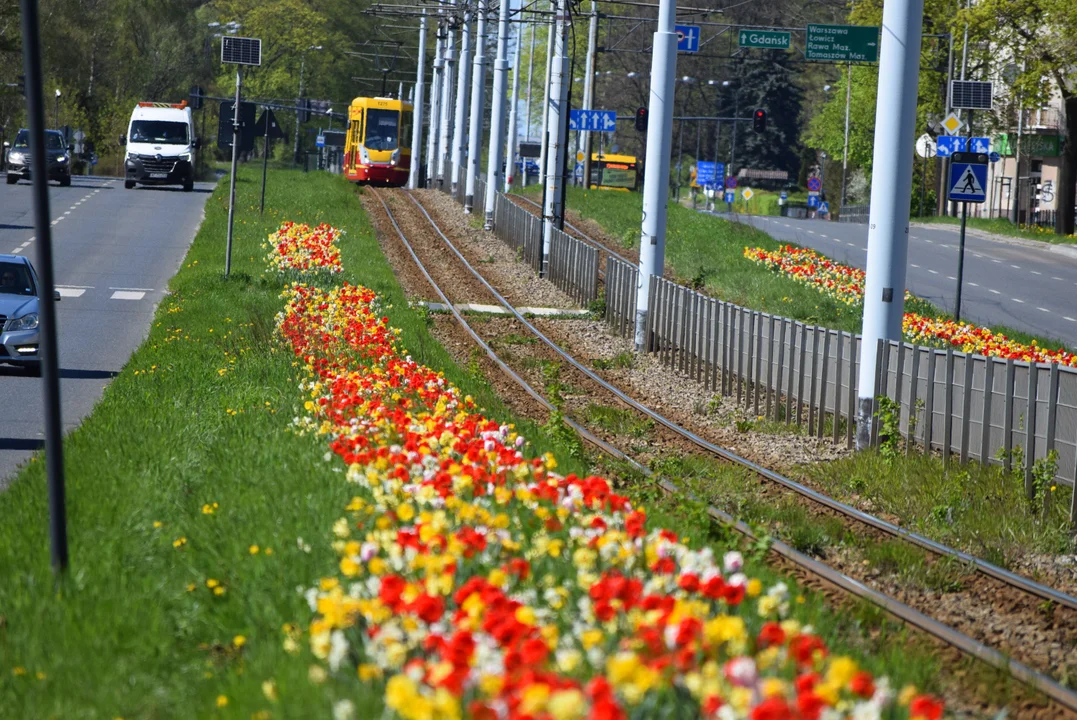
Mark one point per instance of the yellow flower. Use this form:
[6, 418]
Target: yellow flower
[841, 671]
[567, 705]
[211, 583]
[534, 699]
[239, 641]
[222, 701]
[179, 542]
[368, 672]
[157, 523]
[18, 670]
[208, 509]
[269, 689]
[253, 549]
[754, 587]
[191, 587]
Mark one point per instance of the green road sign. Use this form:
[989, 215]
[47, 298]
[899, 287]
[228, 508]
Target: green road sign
[842, 43]
[770, 39]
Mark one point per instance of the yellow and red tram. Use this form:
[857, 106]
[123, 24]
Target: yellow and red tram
[377, 148]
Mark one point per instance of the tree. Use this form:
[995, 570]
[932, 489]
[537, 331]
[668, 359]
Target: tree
[770, 85]
[1038, 34]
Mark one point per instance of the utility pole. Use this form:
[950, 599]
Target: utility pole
[417, 110]
[478, 88]
[652, 245]
[513, 132]
[888, 229]
[589, 91]
[557, 117]
[463, 76]
[444, 129]
[232, 176]
[945, 162]
[845, 146]
[545, 136]
[435, 110]
[530, 75]
[497, 114]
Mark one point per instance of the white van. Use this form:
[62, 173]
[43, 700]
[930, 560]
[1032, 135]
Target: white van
[161, 145]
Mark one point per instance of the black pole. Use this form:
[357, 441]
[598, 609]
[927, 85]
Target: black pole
[202, 140]
[961, 261]
[923, 182]
[54, 450]
[265, 160]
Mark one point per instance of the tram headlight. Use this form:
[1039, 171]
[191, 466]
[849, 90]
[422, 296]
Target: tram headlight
[395, 157]
[364, 156]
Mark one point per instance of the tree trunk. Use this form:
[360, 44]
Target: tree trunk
[1067, 176]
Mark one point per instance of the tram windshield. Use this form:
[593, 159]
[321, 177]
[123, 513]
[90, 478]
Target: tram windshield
[382, 129]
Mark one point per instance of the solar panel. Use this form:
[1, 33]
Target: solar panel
[970, 95]
[241, 50]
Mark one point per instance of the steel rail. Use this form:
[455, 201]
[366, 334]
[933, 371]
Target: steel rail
[1042, 591]
[896, 608]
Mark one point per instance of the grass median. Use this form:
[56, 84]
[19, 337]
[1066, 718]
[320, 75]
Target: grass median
[196, 518]
[1002, 226]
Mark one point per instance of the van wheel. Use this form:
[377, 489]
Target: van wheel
[65, 181]
[12, 179]
[188, 186]
[128, 184]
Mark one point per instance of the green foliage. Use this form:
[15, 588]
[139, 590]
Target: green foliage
[888, 415]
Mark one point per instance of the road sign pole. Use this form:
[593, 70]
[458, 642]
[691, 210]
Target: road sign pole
[478, 87]
[435, 110]
[444, 129]
[498, 113]
[558, 129]
[50, 372]
[652, 247]
[845, 146]
[514, 121]
[232, 177]
[544, 138]
[961, 261]
[589, 91]
[417, 110]
[463, 77]
[265, 161]
[888, 228]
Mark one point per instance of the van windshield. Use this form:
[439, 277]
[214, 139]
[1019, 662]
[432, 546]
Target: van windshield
[159, 131]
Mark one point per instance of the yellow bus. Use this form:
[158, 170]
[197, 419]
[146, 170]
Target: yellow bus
[614, 172]
[377, 148]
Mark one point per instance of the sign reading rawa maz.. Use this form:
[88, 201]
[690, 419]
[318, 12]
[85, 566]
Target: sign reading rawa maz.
[842, 43]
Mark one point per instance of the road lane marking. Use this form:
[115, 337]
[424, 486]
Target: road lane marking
[1043, 309]
[1016, 267]
[1035, 273]
[950, 277]
[1055, 277]
[1067, 317]
[974, 284]
[127, 295]
[916, 266]
[16, 251]
[933, 272]
[71, 292]
[84, 287]
[25, 244]
[131, 289]
[1019, 300]
[930, 241]
[850, 244]
[995, 261]
[995, 291]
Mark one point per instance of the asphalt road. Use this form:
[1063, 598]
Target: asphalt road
[115, 251]
[1024, 285]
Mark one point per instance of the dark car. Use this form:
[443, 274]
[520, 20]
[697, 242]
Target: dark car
[57, 165]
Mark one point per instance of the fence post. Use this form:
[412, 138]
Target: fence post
[948, 407]
[814, 378]
[789, 407]
[1007, 422]
[1030, 429]
[749, 338]
[914, 388]
[985, 423]
[780, 357]
[759, 387]
[966, 407]
[899, 379]
[820, 426]
[882, 354]
[851, 403]
[800, 373]
[836, 430]
[1052, 413]
[770, 365]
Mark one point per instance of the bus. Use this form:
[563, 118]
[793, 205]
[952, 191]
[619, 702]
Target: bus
[614, 172]
[377, 147]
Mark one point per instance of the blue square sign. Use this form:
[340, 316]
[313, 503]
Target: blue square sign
[730, 197]
[592, 120]
[687, 38]
[968, 178]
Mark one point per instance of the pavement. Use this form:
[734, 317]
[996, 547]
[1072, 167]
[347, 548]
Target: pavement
[1022, 284]
[115, 251]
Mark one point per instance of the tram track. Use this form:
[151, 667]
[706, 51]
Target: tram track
[673, 436]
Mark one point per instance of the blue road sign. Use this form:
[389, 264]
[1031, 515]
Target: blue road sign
[815, 184]
[813, 201]
[731, 182]
[824, 208]
[949, 144]
[709, 173]
[687, 38]
[730, 197]
[784, 195]
[592, 120]
[319, 141]
[968, 182]
[994, 157]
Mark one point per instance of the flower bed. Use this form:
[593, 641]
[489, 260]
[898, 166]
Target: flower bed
[846, 284]
[298, 248]
[475, 580]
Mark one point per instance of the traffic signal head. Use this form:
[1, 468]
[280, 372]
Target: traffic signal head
[641, 119]
[303, 114]
[759, 120]
[22, 85]
[196, 97]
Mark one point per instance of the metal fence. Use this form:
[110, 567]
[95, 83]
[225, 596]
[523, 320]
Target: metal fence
[854, 214]
[967, 407]
[519, 229]
[573, 267]
[622, 281]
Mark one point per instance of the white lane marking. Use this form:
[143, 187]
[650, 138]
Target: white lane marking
[811, 232]
[1016, 267]
[950, 277]
[1019, 300]
[995, 291]
[1035, 273]
[67, 212]
[850, 244]
[1067, 317]
[1055, 277]
[978, 255]
[84, 287]
[995, 261]
[71, 292]
[25, 244]
[16, 251]
[916, 266]
[823, 236]
[971, 284]
[1043, 309]
[933, 272]
[131, 289]
[73, 206]
[930, 241]
[127, 295]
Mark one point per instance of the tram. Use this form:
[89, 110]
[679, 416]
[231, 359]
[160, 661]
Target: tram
[614, 172]
[377, 147]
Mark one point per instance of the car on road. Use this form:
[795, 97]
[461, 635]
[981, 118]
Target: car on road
[161, 145]
[57, 165]
[19, 320]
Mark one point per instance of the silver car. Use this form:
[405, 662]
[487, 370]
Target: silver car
[19, 337]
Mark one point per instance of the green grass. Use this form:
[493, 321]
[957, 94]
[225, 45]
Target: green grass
[121, 636]
[1002, 226]
[618, 421]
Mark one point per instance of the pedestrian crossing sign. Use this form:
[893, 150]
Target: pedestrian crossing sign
[968, 177]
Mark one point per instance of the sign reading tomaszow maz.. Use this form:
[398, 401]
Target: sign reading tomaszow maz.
[773, 39]
[842, 43]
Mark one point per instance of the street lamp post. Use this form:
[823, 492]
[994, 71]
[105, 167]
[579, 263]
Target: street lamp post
[680, 141]
[57, 108]
[736, 114]
[299, 100]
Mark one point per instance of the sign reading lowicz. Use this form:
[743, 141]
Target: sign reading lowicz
[842, 43]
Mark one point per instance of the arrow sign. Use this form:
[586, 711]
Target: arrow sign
[687, 38]
[592, 120]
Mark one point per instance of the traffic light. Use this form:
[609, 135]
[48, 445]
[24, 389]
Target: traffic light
[22, 85]
[641, 119]
[304, 111]
[196, 97]
[759, 120]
